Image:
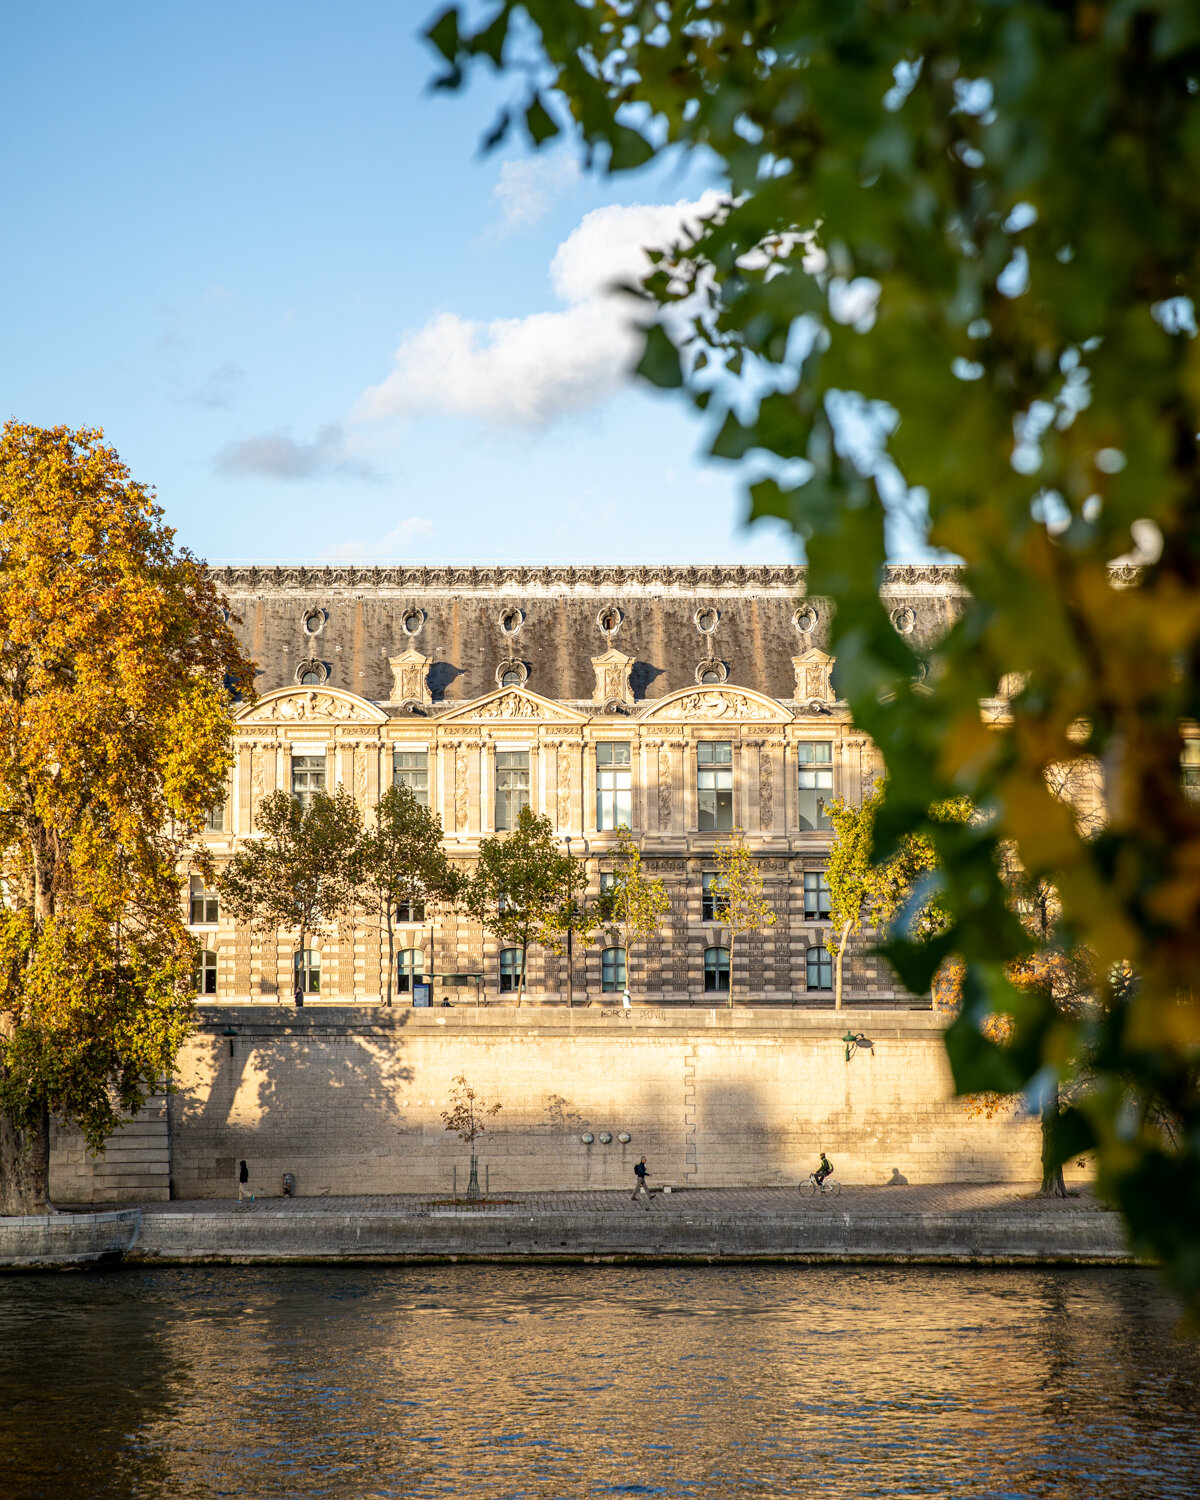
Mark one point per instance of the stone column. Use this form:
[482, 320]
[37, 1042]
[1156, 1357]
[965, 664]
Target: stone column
[683, 770]
[587, 787]
[484, 778]
[243, 799]
[283, 767]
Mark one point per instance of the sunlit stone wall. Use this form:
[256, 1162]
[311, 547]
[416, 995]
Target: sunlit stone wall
[350, 1104]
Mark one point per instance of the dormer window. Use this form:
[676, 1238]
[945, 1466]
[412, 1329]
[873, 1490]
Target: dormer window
[314, 622]
[511, 678]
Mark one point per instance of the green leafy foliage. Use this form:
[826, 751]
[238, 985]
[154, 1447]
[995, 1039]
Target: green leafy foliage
[401, 861]
[115, 727]
[739, 887]
[635, 904]
[520, 883]
[980, 224]
[301, 874]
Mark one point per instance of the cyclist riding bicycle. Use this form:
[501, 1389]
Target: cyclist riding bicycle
[823, 1171]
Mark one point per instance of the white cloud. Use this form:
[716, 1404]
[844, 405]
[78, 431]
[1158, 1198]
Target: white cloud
[528, 371]
[526, 188]
[275, 455]
[389, 548]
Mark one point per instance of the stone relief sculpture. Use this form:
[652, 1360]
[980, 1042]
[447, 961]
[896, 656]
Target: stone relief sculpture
[510, 705]
[766, 789]
[612, 677]
[812, 676]
[257, 780]
[409, 684]
[302, 707]
[360, 778]
[564, 787]
[717, 704]
[461, 776]
[664, 788]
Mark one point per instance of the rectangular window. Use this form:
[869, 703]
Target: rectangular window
[1189, 762]
[816, 782]
[512, 787]
[206, 977]
[215, 822]
[608, 882]
[308, 971]
[410, 768]
[510, 969]
[410, 911]
[203, 907]
[410, 967]
[613, 785]
[713, 905]
[308, 777]
[612, 970]
[714, 785]
[716, 971]
[816, 895]
[818, 969]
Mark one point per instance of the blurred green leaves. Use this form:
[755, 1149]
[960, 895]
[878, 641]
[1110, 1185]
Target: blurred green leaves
[1019, 180]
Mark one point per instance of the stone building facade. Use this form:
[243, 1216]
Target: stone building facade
[683, 701]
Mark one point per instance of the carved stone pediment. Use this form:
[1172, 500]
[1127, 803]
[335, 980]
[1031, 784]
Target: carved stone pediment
[728, 703]
[812, 677]
[515, 703]
[409, 671]
[311, 706]
[612, 677]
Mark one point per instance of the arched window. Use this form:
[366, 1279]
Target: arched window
[308, 971]
[311, 678]
[716, 970]
[612, 969]
[410, 966]
[512, 678]
[206, 975]
[818, 969]
[510, 968]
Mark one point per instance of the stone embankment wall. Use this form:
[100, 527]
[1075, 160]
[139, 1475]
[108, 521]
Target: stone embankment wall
[135, 1166]
[350, 1101]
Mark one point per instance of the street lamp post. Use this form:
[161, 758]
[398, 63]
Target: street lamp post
[570, 925]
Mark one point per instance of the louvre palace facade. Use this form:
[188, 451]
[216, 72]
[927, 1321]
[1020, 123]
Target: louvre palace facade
[684, 702]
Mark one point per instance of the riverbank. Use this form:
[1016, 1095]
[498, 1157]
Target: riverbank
[954, 1225]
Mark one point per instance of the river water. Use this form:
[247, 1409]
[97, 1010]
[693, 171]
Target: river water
[488, 1381]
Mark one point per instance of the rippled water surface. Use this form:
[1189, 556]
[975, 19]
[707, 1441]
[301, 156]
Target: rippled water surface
[520, 1381]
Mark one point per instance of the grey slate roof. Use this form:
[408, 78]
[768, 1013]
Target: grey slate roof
[461, 610]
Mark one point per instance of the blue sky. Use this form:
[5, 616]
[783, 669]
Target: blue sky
[246, 241]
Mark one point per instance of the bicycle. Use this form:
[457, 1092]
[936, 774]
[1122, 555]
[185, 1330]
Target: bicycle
[814, 1189]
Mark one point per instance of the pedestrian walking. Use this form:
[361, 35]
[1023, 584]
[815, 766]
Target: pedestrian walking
[244, 1192]
[298, 997]
[639, 1173]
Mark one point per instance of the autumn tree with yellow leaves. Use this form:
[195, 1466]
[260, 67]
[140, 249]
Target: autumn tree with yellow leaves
[117, 673]
[739, 884]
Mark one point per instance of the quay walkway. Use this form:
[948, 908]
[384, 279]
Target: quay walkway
[953, 1224]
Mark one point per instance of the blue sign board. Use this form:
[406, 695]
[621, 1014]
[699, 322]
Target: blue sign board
[422, 993]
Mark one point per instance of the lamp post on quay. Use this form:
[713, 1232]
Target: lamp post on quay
[570, 925]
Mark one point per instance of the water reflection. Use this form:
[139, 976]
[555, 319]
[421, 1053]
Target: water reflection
[521, 1381]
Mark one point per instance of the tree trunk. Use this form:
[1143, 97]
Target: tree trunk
[1053, 1185]
[391, 952]
[732, 940]
[25, 1167]
[521, 981]
[837, 968]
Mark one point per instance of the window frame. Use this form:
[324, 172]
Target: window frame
[207, 899]
[305, 793]
[714, 904]
[817, 881]
[510, 970]
[819, 788]
[714, 782]
[206, 973]
[306, 965]
[515, 796]
[823, 964]
[410, 972]
[614, 786]
[715, 968]
[613, 971]
[412, 776]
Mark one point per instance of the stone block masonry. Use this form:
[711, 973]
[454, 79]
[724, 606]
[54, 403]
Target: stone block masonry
[349, 1101]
